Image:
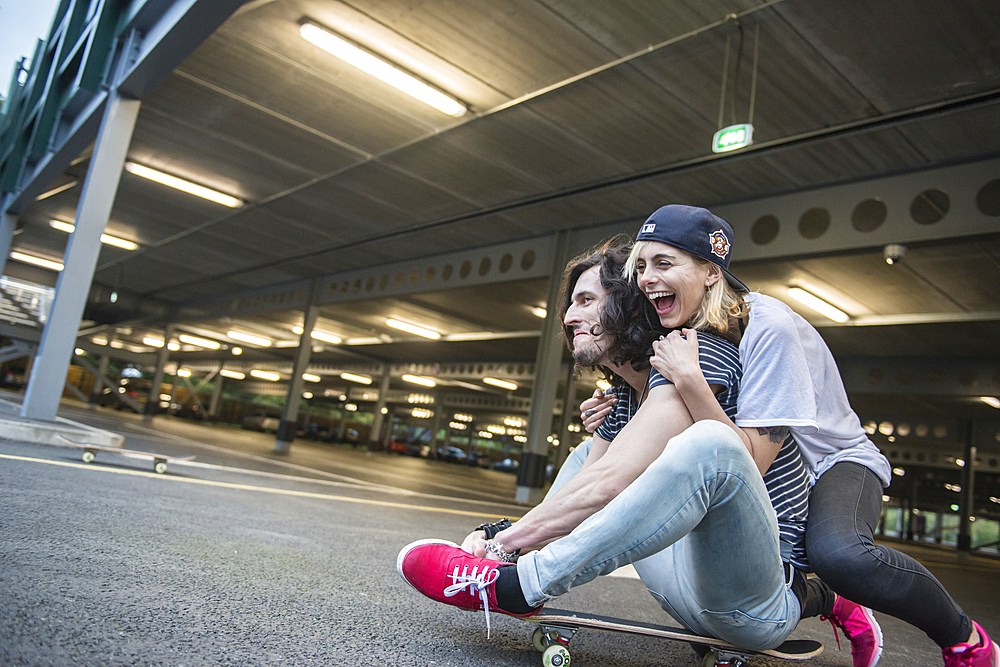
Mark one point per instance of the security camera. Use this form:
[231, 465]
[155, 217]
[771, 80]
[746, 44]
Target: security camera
[893, 252]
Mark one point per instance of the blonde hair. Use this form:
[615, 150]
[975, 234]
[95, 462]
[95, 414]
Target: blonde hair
[720, 304]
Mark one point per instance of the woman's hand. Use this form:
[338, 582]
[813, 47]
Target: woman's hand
[675, 356]
[595, 409]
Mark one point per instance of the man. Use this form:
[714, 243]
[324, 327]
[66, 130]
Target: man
[687, 500]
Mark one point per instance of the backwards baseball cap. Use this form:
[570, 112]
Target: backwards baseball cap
[696, 230]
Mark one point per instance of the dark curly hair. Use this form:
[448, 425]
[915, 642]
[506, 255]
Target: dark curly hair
[628, 321]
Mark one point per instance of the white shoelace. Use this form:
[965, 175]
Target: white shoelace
[475, 581]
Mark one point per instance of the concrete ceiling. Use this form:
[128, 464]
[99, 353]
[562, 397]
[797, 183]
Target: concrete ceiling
[583, 117]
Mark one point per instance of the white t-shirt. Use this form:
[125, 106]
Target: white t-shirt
[791, 379]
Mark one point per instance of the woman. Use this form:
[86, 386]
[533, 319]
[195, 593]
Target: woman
[791, 386]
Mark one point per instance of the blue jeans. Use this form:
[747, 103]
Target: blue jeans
[700, 529]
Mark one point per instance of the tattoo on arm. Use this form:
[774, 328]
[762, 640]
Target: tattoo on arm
[775, 433]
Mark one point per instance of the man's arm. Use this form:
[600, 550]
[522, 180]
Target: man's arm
[661, 416]
[475, 542]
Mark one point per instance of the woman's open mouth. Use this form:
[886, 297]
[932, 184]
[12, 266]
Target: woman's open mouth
[663, 302]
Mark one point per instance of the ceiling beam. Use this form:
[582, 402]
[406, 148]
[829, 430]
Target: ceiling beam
[921, 376]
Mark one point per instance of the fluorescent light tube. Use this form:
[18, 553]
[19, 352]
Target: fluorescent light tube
[326, 337]
[37, 261]
[249, 338]
[425, 382]
[108, 239]
[236, 375]
[817, 304]
[309, 377]
[365, 340]
[360, 379]
[413, 329]
[380, 69]
[56, 190]
[182, 185]
[265, 375]
[200, 342]
[503, 384]
[991, 401]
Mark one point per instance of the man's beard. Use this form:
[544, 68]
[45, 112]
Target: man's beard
[589, 355]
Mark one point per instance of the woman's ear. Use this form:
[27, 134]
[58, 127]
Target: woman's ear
[714, 275]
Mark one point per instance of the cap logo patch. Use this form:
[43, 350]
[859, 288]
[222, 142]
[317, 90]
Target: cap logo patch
[719, 243]
[648, 228]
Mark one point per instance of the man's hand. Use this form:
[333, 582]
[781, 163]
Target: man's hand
[675, 356]
[595, 409]
[475, 544]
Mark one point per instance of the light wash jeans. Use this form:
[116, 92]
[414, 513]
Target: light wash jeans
[698, 526]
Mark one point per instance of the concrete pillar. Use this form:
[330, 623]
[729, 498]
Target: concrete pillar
[911, 515]
[162, 357]
[967, 509]
[342, 427]
[570, 414]
[48, 375]
[531, 470]
[213, 407]
[377, 416]
[8, 223]
[95, 393]
[290, 414]
[385, 434]
[435, 426]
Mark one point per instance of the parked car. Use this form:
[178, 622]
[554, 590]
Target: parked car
[260, 422]
[507, 465]
[453, 454]
[135, 388]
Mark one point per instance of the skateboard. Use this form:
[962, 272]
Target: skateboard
[556, 628]
[90, 451]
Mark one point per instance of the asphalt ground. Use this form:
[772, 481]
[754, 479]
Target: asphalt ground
[246, 557]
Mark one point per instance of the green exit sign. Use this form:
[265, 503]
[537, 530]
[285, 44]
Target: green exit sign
[732, 137]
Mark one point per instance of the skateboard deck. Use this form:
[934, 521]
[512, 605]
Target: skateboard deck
[557, 627]
[90, 452]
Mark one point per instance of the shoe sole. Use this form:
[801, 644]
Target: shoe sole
[878, 632]
[410, 547]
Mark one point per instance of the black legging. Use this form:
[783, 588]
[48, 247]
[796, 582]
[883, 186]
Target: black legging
[844, 509]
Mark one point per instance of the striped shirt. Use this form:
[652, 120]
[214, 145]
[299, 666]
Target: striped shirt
[786, 480]
[787, 485]
[720, 364]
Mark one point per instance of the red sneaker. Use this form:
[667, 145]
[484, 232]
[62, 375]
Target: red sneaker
[984, 654]
[442, 571]
[858, 624]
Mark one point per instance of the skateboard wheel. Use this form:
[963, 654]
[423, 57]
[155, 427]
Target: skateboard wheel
[160, 467]
[541, 640]
[88, 457]
[556, 656]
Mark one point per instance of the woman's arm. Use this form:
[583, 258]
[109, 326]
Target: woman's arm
[676, 358]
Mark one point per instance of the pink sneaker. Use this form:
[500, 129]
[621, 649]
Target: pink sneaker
[984, 654]
[442, 571]
[858, 624]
